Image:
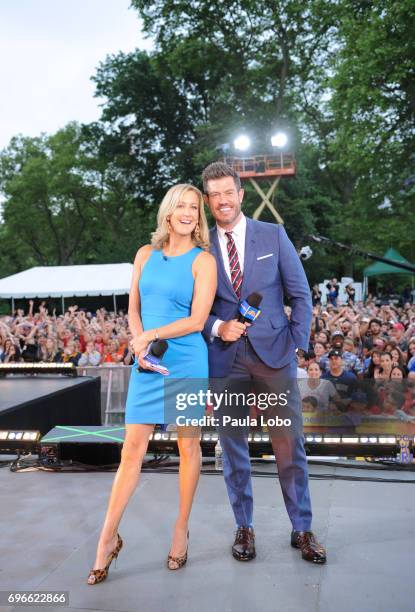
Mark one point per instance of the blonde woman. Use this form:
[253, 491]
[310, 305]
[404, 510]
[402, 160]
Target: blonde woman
[49, 351]
[172, 291]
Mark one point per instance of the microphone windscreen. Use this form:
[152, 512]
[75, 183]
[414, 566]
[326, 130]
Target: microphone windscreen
[254, 299]
[158, 348]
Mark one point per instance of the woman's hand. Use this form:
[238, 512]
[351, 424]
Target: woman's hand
[140, 343]
[142, 362]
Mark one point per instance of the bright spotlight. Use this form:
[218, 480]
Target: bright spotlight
[242, 143]
[279, 140]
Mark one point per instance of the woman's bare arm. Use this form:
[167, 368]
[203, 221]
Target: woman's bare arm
[205, 274]
[134, 314]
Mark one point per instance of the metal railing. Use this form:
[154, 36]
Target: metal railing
[114, 387]
[263, 165]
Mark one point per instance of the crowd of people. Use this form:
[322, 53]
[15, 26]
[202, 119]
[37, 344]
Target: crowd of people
[78, 337]
[348, 343]
[361, 357]
[369, 341]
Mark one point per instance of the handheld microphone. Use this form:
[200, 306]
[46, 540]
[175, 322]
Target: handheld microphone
[155, 354]
[248, 310]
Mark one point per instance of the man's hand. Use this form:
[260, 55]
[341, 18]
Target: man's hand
[230, 331]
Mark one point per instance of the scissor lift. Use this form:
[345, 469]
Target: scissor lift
[261, 168]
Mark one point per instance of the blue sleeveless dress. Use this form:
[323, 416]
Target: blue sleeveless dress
[166, 292]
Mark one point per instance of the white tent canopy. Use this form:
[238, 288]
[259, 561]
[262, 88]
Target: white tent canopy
[68, 281]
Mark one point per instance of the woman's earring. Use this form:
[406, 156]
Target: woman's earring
[168, 225]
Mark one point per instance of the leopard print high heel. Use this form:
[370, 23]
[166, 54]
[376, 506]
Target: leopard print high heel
[175, 563]
[100, 574]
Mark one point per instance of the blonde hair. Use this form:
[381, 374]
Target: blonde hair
[160, 237]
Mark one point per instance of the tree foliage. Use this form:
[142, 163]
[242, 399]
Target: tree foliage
[337, 76]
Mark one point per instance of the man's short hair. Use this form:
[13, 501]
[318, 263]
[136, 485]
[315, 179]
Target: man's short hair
[218, 170]
[375, 320]
[310, 399]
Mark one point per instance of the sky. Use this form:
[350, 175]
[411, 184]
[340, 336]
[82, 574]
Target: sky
[49, 49]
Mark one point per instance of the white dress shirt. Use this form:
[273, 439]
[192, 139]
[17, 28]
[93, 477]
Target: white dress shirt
[238, 235]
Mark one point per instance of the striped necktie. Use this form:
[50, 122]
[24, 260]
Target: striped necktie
[236, 273]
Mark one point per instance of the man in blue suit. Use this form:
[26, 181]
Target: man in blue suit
[253, 256]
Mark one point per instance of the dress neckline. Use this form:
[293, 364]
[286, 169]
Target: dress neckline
[175, 256]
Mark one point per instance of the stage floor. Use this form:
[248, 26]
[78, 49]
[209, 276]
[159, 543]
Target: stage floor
[50, 524]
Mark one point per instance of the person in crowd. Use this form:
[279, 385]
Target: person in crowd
[323, 336]
[372, 363]
[411, 353]
[302, 363]
[316, 296]
[50, 352]
[398, 357]
[323, 391]
[11, 352]
[386, 364]
[351, 294]
[319, 351]
[113, 353]
[71, 353]
[373, 332]
[336, 342]
[91, 356]
[99, 343]
[398, 372]
[345, 382]
[350, 358]
[3, 338]
[398, 334]
[333, 291]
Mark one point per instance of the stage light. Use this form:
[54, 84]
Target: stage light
[68, 369]
[19, 441]
[387, 439]
[242, 143]
[279, 140]
[332, 439]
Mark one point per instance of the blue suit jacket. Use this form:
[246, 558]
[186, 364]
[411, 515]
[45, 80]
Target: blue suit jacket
[273, 337]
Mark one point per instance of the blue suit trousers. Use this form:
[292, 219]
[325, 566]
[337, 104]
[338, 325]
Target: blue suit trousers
[288, 449]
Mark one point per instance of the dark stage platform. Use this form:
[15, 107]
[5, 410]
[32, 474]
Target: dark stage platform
[41, 402]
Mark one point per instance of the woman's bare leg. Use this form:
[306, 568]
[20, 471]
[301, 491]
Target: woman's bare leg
[124, 485]
[189, 470]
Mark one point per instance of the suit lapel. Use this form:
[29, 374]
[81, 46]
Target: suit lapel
[249, 256]
[217, 253]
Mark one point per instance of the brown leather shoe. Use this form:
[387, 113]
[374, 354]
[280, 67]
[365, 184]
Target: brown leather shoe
[243, 548]
[311, 550]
